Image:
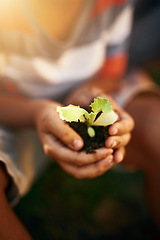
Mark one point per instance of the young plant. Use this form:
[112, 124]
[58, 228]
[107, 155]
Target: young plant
[101, 114]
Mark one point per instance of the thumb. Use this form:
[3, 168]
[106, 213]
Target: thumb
[68, 136]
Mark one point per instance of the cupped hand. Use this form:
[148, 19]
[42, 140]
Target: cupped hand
[120, 132]
[62, 143]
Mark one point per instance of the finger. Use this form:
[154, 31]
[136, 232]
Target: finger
[55, 150]
[90, 171]
[124, 125]
[65, 133]
[119, 154]
[118, 141]
[69, 137]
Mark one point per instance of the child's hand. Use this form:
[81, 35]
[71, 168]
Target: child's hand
[120, 132]
[61, 143]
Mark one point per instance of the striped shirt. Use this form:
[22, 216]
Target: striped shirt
[35, 65]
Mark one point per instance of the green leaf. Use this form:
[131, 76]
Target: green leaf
[73, 113]
[101, 104]
[106, 119]
[91, 118]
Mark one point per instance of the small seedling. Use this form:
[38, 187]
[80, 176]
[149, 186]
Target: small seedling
[101, 114]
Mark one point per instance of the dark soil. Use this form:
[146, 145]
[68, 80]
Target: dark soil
[91, 143]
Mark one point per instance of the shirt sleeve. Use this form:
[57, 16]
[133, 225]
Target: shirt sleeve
[116, 53]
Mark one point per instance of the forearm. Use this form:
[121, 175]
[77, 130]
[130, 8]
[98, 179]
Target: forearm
[19, 111]
[110, 85]
[95, 87]
[104, 84]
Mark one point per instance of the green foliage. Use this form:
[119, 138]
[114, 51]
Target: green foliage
[101, 104]
[101, 115]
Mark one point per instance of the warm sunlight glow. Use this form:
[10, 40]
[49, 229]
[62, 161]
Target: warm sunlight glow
[6, 6]
[11, 16]
[5, 2]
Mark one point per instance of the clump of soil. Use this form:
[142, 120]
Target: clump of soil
[91, 143]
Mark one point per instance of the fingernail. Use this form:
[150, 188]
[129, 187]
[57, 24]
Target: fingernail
[110, 158]
[112, 143]
[110, 150]
[107, 151]
[119, 157]
[115, 131]
[77, 144]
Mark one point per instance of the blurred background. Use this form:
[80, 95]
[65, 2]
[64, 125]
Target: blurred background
[112, 206]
